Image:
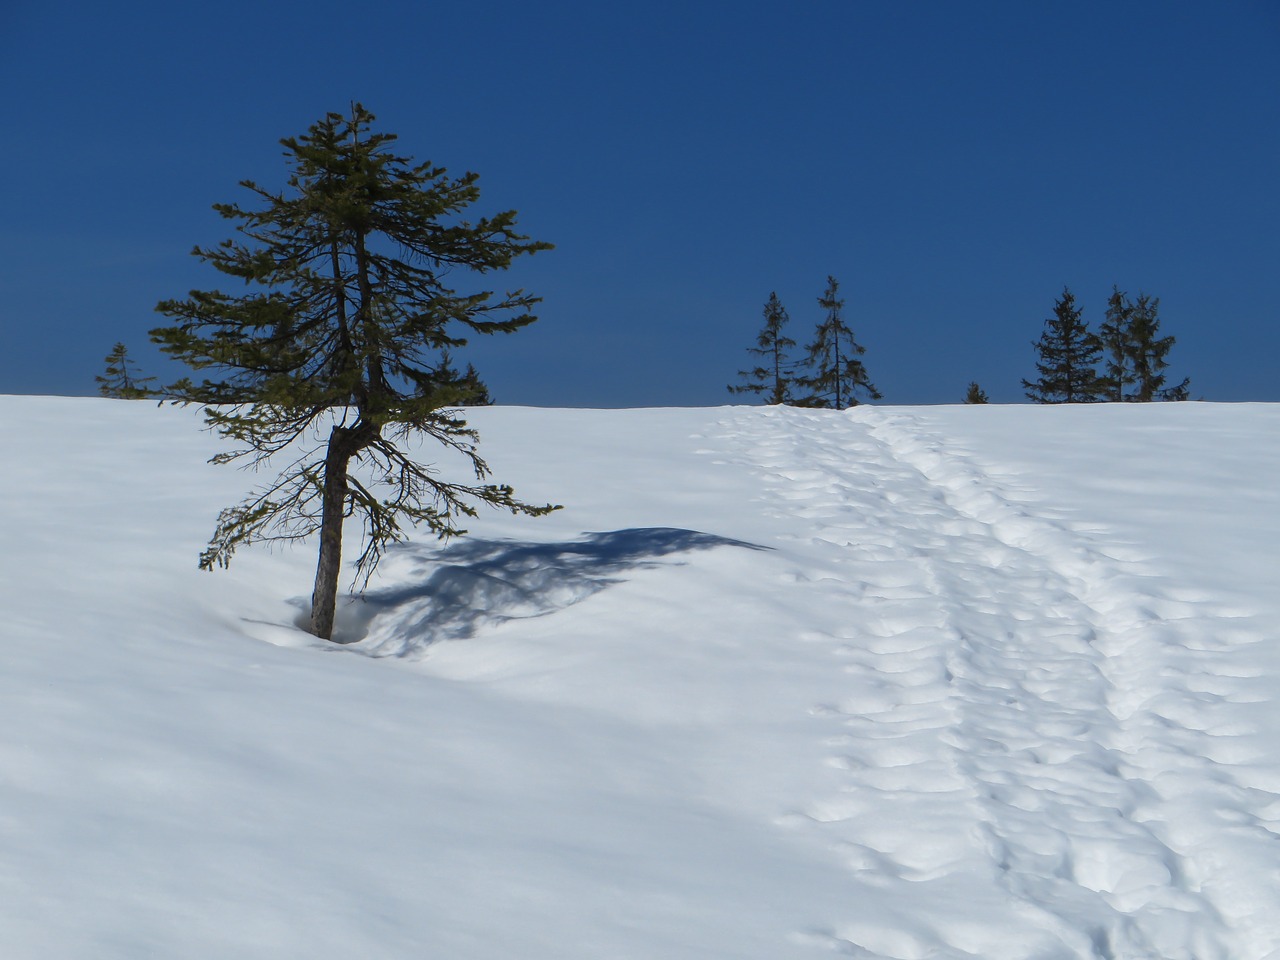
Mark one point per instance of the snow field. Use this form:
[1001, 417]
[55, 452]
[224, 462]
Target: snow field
[893, 683]
[1064, 715]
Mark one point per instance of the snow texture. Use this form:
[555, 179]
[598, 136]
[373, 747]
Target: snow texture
[894, 683]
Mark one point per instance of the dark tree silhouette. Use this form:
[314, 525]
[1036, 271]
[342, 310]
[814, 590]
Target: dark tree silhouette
[338, 352]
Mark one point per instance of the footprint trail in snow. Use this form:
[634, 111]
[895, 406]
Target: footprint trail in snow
[1032, 740]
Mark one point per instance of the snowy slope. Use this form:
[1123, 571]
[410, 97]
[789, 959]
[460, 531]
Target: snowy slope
[950, 682]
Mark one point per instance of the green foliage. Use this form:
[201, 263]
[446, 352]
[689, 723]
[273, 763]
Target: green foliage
[771, 377]
[1067, 356]
[975, 394]
[120, 382]
[837, 373]
[335, 347]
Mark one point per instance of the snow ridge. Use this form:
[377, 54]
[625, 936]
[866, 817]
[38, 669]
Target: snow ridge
[1000, 738]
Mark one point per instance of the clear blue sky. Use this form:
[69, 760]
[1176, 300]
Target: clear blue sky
[952, 164]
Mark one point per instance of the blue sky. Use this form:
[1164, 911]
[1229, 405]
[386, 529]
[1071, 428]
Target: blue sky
[954, 165]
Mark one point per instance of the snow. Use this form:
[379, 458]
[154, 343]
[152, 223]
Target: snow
[938, 682]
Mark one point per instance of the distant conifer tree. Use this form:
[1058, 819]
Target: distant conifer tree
[833, 357]
[471, 390]
[1135, 353]
[772, 377]
[976, 394]
[120, 382]
[1117, 351]
[1068, 356]
[334, 353]
[1147, 352]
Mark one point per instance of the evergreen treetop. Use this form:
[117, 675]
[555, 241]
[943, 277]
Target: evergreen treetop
[833, 355]
[120, 381]
[772, 376]
[1147, 353]
[1135, 353]
[1114, 336]
[1067, 357]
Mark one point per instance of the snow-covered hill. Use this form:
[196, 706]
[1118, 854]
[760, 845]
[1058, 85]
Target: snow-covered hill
[953, 682]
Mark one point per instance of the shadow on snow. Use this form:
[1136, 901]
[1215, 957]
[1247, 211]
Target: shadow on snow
[458, 590]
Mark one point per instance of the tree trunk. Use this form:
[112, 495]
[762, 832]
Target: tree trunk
[324, 598]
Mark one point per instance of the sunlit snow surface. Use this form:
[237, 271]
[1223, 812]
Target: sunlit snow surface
[951, 682]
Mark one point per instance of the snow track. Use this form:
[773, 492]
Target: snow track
[1006, 746]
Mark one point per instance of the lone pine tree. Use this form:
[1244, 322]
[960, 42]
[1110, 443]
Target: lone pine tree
[771, 377]
[1067, 358]
[339, 351]
[833, 357]
[975, 393]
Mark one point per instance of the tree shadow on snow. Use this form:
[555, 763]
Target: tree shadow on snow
[458, 590]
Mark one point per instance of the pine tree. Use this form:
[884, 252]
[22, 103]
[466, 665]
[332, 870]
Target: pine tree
[976, 394]
[1114, 336]
[772, 376]
[333, 356]
[119, 382]
[1068, 355]
[472, 391]
[1135, 352]
[1147, 352]
[833, 356]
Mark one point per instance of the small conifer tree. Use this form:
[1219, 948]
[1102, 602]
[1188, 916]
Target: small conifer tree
[833, 355]
[771, 377]
[337, 352]
[120, 381]
[1135, 353]
[1147, 353]
[976, 394]
[472, 390]
[1067, 358]
[1114, 336]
